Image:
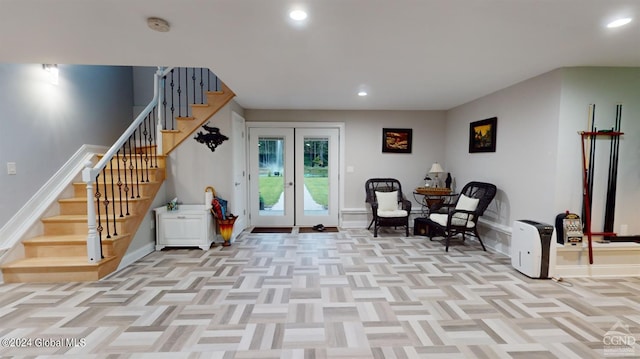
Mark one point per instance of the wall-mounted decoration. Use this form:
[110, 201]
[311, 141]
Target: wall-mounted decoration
[482, 135]
[212, 139]
[397, 140]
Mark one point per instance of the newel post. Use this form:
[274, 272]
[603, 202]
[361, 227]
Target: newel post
[94, 253]
[158, 83]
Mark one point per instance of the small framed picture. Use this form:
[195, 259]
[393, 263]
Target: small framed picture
[396, 140]
[482, 135]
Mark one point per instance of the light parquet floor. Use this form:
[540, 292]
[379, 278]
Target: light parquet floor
[320, 295]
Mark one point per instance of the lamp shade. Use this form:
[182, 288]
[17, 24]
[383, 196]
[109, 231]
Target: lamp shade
[436, 168]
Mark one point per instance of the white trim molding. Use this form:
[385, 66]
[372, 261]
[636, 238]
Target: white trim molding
[132, 257]
[29, 215]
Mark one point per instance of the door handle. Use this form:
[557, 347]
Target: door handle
[237, 183]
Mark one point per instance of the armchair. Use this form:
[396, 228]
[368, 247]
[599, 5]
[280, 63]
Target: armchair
[471, 204]
[388, 205]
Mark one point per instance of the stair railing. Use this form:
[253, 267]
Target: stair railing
[135, 152]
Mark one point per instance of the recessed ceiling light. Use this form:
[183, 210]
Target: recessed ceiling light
[619, 22]
[298, 15]
[362, 93]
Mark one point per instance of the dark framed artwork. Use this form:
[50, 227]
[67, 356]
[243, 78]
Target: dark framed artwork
[482, 135]
[396, 140]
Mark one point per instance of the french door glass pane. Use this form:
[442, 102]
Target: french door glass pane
[271, 176]
[316, 176]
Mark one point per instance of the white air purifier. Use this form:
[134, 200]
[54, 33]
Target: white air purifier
[533, 249]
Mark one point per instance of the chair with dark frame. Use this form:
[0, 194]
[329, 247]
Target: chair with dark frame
[462, 219]
[389, 207]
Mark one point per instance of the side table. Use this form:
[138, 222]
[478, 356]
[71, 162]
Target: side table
[432, 202]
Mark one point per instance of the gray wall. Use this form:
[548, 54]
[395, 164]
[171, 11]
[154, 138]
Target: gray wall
[524, 164]
[43, 124]
[363, 142]
[537, 164]
[605, 87]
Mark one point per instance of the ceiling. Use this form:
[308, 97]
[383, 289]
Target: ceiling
[407, 54]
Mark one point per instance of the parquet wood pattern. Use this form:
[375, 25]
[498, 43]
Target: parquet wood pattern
[321, 295]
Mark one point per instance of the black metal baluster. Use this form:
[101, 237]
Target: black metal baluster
[154, 152]
[201, 87]
[193, 78]
[131, 167]
[164, 100]
[186, 91]
[179, 95]
[135, 159]
[106, 201]
[145, 158]
[119, 181]
[113, 198]
[126, 183]
[97, 204]
[173, 107]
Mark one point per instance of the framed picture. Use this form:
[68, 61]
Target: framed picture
[482, 135]
[396, 140]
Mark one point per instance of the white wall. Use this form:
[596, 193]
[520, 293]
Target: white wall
[44, 124]
[193, 166]
[537, 164]
[524, 164]
[605, 87]
[363, 131]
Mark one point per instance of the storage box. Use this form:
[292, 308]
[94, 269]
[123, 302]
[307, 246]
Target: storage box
[420, 227]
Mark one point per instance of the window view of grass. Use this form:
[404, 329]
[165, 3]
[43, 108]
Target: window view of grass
[319, 189]
[271, 182]
[270, 189]
[317, 183]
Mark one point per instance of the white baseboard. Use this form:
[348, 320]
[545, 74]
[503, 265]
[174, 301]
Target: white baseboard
[132, 257]
[360, 217]
[598, 270]
[29, 215]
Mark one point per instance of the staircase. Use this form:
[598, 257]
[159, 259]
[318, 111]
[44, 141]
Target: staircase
[60, 253]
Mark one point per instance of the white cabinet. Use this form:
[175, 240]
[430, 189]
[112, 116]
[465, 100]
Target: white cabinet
[189, 226]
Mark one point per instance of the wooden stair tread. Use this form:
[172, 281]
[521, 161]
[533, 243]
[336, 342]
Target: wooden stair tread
[79, 217]
[60, 239]
[55, 262]
[129, 182]
[101, 155]
[84, 199]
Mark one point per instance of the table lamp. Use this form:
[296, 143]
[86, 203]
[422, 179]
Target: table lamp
[436, 169]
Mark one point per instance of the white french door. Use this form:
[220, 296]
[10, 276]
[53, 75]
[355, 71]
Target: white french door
[293, 176]
[316, 157]
[271, 176]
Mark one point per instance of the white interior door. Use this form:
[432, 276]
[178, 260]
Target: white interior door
[239, 199]
[316, 172]
[272, 176]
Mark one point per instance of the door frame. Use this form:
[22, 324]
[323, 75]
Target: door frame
[238, 123]
[341, 151]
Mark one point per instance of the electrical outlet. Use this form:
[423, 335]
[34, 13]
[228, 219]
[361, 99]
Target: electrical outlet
[11, 168]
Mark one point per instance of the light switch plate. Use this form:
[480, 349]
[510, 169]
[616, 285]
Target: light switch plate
[11, 168]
